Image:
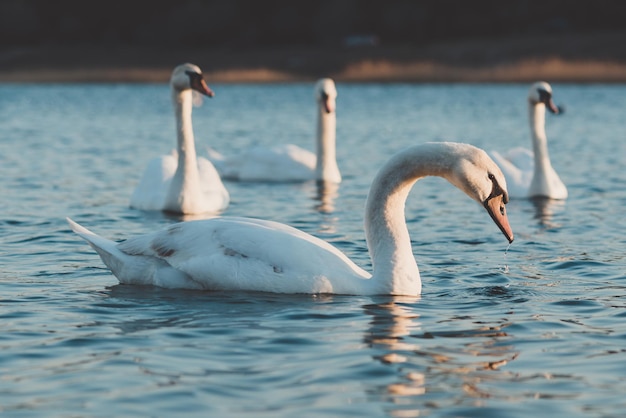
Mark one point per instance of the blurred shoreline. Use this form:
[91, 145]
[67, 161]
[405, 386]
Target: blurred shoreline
[595, 57]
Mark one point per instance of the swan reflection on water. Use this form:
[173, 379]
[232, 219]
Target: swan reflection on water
[326, 194]
[390, 329]
[473, 355]
[545, 209]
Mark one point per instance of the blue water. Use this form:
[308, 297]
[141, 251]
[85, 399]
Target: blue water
[538, 329]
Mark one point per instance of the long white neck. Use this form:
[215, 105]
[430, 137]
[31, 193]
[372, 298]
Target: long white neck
[187, 178]
[395, 269]
[326, 167]
[545, 181]
[537, 117]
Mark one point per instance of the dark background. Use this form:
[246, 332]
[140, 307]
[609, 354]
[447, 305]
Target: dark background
[253, 23]
[305, 37]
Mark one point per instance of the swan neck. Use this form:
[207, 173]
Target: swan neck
[182, 101]
[183, 189]
[545, 180]
[537, 117]
[386, 232]
[326, 165]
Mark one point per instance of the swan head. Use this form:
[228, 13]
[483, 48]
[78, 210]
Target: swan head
[189, 76]
[541, 93]
[481, 179]
[326, 94]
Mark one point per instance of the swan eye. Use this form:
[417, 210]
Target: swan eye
[497, 191]
[193, 76]
[544, 96]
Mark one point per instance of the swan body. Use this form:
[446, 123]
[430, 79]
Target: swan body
[231, 253]
[181, 182]
[286, 163]
[530, 173]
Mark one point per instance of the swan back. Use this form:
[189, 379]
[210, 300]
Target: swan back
[251, 254]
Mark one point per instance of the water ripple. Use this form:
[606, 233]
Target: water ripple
[536, 328]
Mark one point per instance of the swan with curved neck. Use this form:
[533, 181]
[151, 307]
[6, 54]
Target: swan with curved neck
[181, 182]
[231, 253]
[287, 163]
[530, 173]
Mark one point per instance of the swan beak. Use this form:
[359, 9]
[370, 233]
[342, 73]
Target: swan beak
[328, 103]
[497, 210]
[201, 87]
[553, 108]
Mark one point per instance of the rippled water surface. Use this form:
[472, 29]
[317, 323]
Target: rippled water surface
[539, 329]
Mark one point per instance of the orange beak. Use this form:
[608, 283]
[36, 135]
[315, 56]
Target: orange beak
[199, 85]
[497, 210]
[329, 105]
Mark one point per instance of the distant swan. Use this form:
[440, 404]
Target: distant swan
[530, 173]
[231, 253]
[180, 182]
[286, 163]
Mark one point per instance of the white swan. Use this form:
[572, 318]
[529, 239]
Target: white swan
[233, 253]
[530, 173]
[180, 182]
[285, 163]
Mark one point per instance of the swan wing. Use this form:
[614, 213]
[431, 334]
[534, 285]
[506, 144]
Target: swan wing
[152, 188]
[228, 168]
[232, 253]
[281, 163]
[522, 158]
[215, 194]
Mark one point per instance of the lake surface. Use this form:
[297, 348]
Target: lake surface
[539, 329]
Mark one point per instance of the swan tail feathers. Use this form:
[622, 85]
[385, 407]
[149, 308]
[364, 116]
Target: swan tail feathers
[112, 257]
[138, 269]
[93, 239]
